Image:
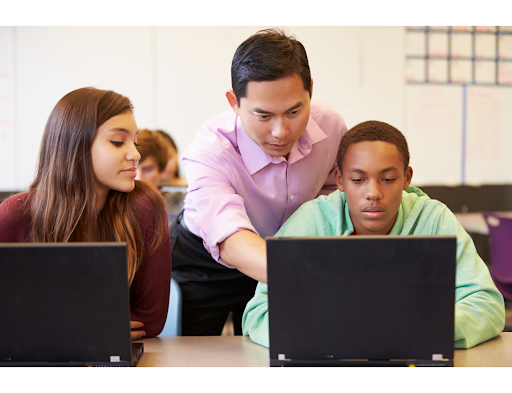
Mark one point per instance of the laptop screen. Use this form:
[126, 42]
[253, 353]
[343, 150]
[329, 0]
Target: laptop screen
[64, 302]
[358, 297]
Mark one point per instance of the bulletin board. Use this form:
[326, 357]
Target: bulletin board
[477, 55]
[459, 95]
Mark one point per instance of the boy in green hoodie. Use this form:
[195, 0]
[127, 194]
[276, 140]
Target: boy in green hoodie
[374, 197]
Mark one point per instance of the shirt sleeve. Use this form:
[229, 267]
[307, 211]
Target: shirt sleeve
[220, 210]
[255, 317]
[149, 292]
[15, 219]
[479, 306]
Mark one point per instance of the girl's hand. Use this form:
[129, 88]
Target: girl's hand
[137, 334]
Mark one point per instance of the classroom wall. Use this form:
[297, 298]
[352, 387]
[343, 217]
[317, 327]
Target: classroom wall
[177, 77]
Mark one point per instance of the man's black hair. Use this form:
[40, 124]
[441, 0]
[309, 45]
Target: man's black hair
[268, 55]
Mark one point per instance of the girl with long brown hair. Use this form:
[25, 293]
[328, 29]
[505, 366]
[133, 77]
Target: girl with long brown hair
[85, 191]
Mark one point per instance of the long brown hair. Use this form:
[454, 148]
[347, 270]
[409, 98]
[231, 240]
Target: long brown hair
[63, 201]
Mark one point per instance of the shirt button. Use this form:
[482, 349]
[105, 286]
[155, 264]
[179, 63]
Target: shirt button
[292, 196]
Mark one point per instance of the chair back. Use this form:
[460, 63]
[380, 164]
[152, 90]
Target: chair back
[500, 244]
[173, 324]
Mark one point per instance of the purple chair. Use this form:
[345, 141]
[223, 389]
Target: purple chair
[500, 244]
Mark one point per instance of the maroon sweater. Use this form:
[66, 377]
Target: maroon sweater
[149, 292]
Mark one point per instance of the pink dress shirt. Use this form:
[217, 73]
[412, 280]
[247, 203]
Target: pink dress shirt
[234, 184]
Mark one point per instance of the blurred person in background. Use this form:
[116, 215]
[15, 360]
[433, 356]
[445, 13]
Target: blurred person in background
[171, 174]
[156, 155]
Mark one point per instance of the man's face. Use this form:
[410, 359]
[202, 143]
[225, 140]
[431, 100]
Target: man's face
[274, 114]
[373, 178]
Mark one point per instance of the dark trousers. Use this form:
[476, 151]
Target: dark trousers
[210, 291]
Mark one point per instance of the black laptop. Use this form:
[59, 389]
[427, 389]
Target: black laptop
[361, 300]
[65, 304]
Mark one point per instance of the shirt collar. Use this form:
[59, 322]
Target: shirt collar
[253, 155]
[309, 137]
[255, 158]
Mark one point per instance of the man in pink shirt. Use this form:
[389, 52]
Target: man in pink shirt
[248, 170]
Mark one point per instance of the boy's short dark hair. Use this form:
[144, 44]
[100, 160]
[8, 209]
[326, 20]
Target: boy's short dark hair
[153, 144]
[373, 131]
[268, 55]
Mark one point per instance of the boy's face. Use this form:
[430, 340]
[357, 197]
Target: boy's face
[274, 114]
[148, 171]
[373, 179]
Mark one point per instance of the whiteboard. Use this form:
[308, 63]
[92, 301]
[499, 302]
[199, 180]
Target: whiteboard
[434, 133]
[177, 77]
[489, 135]
[459, 135]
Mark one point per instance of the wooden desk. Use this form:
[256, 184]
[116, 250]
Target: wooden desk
[475, 223]
[237, 351]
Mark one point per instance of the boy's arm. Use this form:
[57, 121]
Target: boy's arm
[255, 318]
[479, 306]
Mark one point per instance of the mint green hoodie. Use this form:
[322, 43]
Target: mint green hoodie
[479, 307]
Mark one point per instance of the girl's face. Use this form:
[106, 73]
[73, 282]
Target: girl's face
[115, 156]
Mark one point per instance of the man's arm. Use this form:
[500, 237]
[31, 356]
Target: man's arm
[220, 217]
[247, 252]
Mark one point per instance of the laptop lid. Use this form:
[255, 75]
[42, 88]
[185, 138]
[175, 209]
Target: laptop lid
[65, 304]
[361, 297]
